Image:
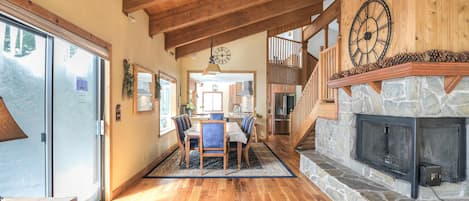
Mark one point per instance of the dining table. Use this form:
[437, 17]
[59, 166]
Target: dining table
[233, 131]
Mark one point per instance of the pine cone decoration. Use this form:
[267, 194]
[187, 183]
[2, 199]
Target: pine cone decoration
[463, 56]
[433, 55]
[345, 73]
[336, 76]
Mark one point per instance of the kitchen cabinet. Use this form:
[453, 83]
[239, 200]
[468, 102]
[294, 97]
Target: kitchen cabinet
[239, 88]
[234, 99]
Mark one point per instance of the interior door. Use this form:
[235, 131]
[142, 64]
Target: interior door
[76, 111]
[23, 91]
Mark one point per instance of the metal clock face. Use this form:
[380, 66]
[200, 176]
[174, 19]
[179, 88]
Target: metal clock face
[370, 33]
[222, 55]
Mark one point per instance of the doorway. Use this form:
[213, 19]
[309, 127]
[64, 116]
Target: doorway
[53, 91]
[281, 101]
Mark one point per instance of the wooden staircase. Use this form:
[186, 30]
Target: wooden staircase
[317, 100]
[308, 141]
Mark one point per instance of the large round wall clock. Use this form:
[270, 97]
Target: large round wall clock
[222, 55]
[370, 33]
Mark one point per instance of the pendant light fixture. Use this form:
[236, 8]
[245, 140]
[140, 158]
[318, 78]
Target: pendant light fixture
[212, 68]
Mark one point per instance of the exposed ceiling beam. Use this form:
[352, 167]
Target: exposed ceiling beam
[326, 17]
[135, 5]
[285, 19]
[236, 20]
[295, 25]
[196, 12]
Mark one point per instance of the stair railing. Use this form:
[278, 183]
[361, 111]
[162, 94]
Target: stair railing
[314, 93]
[329, 62]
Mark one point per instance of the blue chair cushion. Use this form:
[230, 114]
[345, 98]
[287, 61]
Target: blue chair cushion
[216, 116]
[244, 123]
[250, 126]
[188, 121]
[213, 135]
[213, 152]
[246, 127]
[180, 129]
[185, 125]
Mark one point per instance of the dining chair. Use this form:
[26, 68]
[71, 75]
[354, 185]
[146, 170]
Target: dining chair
[213, 142]
[188, 120]
[216, 116]
[181, 138]
[245, 123]
[185, 124]
[251, 127]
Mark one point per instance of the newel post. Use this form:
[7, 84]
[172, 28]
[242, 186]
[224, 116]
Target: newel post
[305, 71]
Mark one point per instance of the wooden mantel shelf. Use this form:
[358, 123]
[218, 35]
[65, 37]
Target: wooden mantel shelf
[453, 73]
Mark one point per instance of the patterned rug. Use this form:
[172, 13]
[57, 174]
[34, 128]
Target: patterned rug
[264, 164]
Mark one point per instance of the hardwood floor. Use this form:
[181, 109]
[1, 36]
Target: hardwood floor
[281, 189]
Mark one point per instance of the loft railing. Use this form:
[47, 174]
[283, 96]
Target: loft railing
[314, 94]
[284, 51]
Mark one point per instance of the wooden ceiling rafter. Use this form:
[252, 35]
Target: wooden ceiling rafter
[196, 12]
[325, 18]
[235, 20]
[156, 5]
[284, 28]
[282, 20]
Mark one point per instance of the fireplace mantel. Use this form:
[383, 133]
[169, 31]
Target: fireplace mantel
[453, 73]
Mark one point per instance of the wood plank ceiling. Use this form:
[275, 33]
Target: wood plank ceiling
[188, 25]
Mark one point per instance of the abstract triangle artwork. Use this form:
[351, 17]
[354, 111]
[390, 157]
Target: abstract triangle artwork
[9, 129]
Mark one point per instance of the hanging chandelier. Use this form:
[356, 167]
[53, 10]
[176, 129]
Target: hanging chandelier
[212, 68]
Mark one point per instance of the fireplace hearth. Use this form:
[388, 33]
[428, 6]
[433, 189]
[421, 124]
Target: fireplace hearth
[399, 145]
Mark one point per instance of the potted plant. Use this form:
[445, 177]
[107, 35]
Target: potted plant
[190, 107]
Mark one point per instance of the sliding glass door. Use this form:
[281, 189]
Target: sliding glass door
[75, 115]
[23, 96]
[50, 90]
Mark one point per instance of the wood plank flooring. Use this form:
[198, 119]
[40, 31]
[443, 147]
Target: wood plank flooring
[271, 189]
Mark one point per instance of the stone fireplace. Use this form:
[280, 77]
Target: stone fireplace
[416, 98]
[400, 145]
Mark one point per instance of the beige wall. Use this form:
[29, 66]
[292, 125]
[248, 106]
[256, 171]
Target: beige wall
[249, 54]
[135, 140]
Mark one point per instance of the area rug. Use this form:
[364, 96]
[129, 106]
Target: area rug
[263, 164]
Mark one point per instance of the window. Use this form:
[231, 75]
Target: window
[212, 101]
[168, 102]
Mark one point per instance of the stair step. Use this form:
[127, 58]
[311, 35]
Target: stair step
[306, 147]
[308, 142]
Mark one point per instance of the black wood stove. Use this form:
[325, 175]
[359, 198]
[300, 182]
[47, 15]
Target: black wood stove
[401, 145]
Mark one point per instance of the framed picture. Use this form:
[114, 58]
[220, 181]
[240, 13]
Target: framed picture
[144, 87]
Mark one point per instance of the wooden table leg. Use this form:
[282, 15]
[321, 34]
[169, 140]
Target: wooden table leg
[239, 150]
[188, 152]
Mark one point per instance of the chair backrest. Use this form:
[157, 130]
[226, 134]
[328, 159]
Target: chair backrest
[213, 134]
[184, 123]
[188, 120]
[216, 116]
[250, 126]
[179, 129]
[246, 121]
